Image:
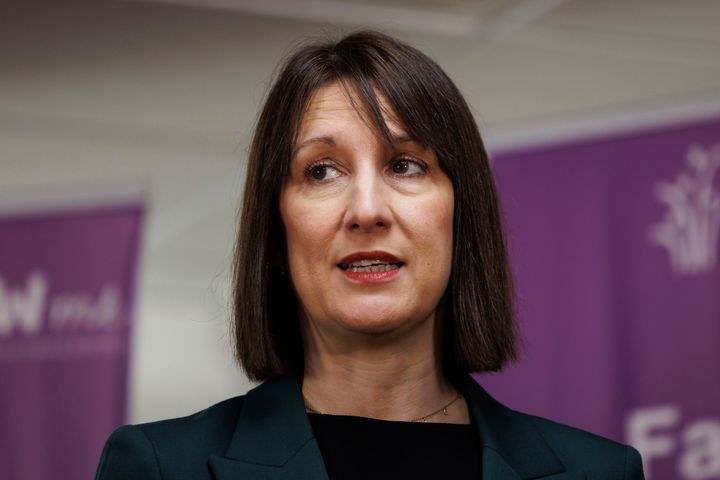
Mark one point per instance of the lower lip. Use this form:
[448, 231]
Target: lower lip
[371, 277]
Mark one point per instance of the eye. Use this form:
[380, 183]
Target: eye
[321, 172]
[407, 167]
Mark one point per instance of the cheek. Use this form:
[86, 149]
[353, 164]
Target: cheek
[442, 267]
[443, 228]
[309, 230]
[433, 220]
[429, 226]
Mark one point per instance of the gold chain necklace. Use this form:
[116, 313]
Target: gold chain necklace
[443, 409]
[423, 419]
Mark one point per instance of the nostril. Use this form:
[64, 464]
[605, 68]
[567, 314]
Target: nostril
[378, 224]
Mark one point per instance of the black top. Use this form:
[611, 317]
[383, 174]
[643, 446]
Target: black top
[362, 448]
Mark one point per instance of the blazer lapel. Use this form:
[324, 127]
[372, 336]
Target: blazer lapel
[512, 448]
[273, 438]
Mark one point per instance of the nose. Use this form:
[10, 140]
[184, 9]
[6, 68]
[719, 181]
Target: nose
[368, 209]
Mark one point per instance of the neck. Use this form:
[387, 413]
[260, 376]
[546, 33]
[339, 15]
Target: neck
[394, 376]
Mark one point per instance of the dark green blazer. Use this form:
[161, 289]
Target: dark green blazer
[267, 435]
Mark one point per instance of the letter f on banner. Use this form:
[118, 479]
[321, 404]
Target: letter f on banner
[639, 426]
[23, 308]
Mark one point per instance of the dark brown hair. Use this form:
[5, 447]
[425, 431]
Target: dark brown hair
[479, 332]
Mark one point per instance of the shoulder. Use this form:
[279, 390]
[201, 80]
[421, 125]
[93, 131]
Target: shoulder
[580, 450]
[153, 450]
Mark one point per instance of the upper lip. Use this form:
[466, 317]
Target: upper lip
[373, 255]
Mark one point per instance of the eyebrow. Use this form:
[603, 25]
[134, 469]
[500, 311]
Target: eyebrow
[330, 141]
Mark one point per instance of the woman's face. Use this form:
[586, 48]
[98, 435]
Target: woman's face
[369, 226]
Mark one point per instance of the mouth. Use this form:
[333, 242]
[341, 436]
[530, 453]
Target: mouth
[370, 262]
[369, 266]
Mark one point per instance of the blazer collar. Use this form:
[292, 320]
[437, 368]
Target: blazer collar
[273, 438]
[512, 447]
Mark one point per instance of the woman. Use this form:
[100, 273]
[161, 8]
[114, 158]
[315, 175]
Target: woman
[370, 278]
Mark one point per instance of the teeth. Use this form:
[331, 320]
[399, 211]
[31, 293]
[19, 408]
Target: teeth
[366, 263]
[385, 267]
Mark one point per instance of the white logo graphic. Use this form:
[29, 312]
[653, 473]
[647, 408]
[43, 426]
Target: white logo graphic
[689, 231]
[660, 432]
[23, 308]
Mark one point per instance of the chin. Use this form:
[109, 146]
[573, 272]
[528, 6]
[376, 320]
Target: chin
[370, 326]
[376, 321]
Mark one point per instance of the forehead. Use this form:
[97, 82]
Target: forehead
[331, 105]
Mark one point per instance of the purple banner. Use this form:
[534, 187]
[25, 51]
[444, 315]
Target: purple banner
[66, 304]
[614, 245]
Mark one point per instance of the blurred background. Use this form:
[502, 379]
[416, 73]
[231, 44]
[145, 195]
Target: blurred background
[146, 108]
